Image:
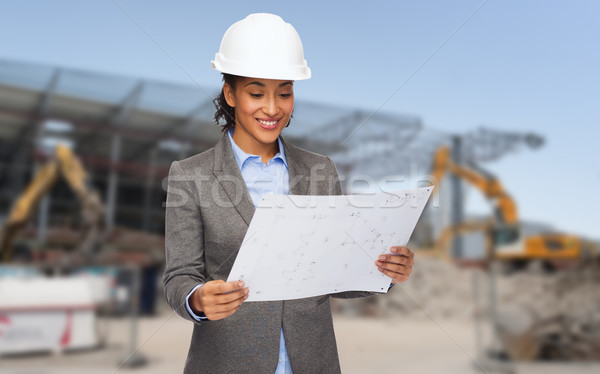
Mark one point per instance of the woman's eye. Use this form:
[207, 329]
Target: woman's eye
[286, 95]
[256, 95]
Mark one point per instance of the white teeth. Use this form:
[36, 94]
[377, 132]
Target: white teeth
[267, 123]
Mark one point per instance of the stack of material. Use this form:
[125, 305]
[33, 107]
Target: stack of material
[557, 315]
[541, 315]
[436, 288]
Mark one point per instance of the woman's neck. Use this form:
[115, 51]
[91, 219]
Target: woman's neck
[248, 144]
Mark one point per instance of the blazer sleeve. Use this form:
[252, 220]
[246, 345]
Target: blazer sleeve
[337, 190]
[184, 240]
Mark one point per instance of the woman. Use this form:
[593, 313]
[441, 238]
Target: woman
[210, 203]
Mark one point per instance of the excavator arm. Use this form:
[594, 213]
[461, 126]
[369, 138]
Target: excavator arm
[92, 208]
[504, 229]
[492, 189]
[68, 165]
[25, 205]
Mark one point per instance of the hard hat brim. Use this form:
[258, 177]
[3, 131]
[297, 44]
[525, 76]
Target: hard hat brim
[295, 72]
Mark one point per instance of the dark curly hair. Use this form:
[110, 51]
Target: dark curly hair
[224, 112]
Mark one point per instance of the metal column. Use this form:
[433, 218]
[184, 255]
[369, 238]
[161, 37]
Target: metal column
[151, 174]
[113, 177]
[456, 200]
[117, 121]
[42, 223]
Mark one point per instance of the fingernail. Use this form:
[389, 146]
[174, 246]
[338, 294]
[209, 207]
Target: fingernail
[382, 257]
[246, 292]
[241, 284]
[378, 263]
[394, 249]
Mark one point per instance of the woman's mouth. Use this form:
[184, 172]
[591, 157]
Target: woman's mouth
[268, 125]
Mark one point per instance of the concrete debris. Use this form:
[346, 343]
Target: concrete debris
[559, 310]
[540, 314]
[436, 288]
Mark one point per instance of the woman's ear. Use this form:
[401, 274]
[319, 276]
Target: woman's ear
[229, 96]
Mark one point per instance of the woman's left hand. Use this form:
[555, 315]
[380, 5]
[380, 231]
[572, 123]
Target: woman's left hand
[397, 265]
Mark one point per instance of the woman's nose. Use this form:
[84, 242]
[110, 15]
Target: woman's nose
[270, 107]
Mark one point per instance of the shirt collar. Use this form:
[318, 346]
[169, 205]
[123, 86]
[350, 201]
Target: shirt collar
[241, 156]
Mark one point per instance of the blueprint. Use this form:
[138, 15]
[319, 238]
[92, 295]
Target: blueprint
[304, 246]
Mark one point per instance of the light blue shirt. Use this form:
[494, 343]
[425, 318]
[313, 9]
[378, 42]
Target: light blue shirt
[261, 179]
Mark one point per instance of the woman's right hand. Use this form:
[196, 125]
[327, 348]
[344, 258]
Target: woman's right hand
[218, 299]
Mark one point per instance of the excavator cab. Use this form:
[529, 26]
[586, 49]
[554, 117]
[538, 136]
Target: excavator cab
[505, 235]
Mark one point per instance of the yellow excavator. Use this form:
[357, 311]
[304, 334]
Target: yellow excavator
[64, 163]
[504, 240]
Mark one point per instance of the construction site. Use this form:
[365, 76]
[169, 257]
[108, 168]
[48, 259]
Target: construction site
[91, 126]
[82, 203]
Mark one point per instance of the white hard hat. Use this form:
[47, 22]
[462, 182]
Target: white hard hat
[262, 45]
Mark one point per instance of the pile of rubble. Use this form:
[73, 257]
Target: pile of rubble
[436, 288]
[540, 314]
[551, 315]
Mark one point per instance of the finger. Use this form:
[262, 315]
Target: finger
[234, 304]
[210, 288]
[396, 259]
[230, 286]
[231, 296]
[219, 287]
[404, 251]
[393, 267]
[225, 307]
[396, 277]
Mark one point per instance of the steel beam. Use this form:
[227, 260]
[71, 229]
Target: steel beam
[456, 200]
[120, 117]
[96, 127]
[138, 152]
[25, 142]
[149, 187]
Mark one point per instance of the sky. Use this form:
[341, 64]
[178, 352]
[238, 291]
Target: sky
[510, 65]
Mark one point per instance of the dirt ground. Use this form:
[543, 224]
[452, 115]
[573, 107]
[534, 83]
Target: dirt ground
[365, 345]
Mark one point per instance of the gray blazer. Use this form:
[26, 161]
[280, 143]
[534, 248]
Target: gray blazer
[208, 211]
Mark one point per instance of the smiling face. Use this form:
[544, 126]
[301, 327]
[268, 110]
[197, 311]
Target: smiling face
[263, 107]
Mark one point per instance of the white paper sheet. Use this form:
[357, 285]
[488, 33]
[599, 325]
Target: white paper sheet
[304, 246]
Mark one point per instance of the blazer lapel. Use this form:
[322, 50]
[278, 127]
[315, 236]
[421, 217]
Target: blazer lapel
[299, 180]
[227, 172]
